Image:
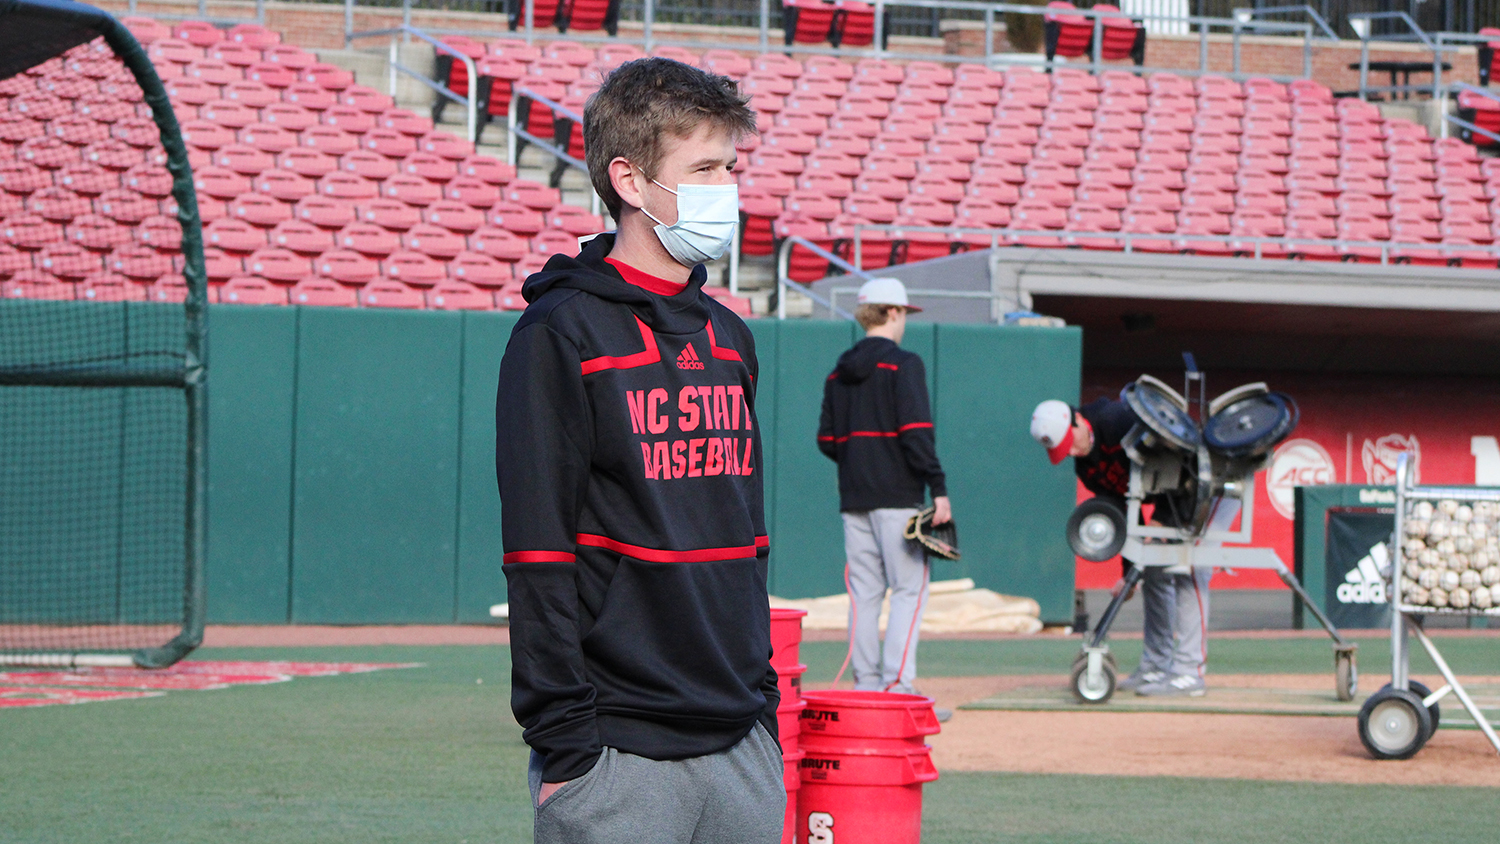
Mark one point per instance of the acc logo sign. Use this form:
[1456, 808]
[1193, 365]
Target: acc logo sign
[1299, 462]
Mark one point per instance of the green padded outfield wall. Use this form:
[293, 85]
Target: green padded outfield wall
[351, 459]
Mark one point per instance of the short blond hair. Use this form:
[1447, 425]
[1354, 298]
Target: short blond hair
[870, 315]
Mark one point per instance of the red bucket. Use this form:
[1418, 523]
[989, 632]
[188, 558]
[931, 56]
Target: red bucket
[793, 782]
[872, 720]
[786, 634]
[872, 797]
[789, 681]
[788, 723]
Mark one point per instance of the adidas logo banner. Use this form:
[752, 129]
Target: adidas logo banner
[1364, 583]
[689, 359]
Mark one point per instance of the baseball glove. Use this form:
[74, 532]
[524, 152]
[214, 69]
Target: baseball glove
[941, 540]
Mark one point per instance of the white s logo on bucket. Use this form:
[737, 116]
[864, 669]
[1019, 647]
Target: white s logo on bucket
[819, 828]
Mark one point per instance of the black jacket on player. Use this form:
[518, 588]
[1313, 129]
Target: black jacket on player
[1105, 470]
[877, 424]
[629, 464]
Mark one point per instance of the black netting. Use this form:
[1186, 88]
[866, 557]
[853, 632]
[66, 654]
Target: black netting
[101, 396]
[92, 496]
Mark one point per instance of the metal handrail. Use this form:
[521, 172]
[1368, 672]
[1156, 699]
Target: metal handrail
[513, 131]
[1461, 87]
[988, 9]
[1442, 41]
[1247, 14]
[395, 66]
[1360, 23]
[783, 258]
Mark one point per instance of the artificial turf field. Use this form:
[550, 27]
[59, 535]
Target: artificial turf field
[432, 755]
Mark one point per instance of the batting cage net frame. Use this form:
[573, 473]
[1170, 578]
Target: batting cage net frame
[103, 409]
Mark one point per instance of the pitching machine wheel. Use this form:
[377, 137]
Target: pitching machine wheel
[1345, 674]
[1421, 691]
[1096, 530]
[1092, 690]
[1393, 724]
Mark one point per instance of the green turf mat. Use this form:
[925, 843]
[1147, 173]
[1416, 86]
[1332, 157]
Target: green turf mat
[1054, 655]
[1054, 809]
[1055, 697]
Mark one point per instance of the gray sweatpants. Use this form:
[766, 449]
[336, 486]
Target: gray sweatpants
[1175, 605]
[735, 796]
[880, 558]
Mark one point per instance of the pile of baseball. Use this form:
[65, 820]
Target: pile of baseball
[1450, 555]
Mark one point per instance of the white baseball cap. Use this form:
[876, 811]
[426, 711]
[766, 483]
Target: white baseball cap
[884, 291]
[1052, 426]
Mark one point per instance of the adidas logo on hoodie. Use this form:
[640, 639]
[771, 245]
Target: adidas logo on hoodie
[1364, 583]
[689, 358]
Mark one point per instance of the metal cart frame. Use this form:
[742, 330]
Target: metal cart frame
[1092, 679]
[1398, 720]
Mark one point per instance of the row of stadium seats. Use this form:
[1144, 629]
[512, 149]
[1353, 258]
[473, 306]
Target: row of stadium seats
[313, 192]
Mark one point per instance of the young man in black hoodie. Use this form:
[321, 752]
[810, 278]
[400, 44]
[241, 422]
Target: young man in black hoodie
[630, 468]
[877, 425]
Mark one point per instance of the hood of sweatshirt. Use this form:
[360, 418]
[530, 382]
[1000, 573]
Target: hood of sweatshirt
[685, 312]
[858, 363]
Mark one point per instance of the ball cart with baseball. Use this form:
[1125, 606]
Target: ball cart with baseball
[1202, 466]
[1446, 559]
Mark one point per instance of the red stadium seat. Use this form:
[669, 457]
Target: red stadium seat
[501, 244]
[389, 293]
[433, 168]
[249, 290]
[329, 139]
[368, 238]
[109, 287]
[454, 216]
[486, 169]
[258, 209]
[234, 236]
[413, 268]
[390, 214]
[412, 190]
[345, 266]
[368, 165]
[433, 240]
[301, 237]
[478, 268]
[95, 232]
[472, 191]
[279, 265]
[531, 194]
[35, 284]
[324, 212]
[389, 142]
[322, 292]
[138, 261]
[458, 295]
[72, 262]
[516, 218]
[160, 232]
[348, 186]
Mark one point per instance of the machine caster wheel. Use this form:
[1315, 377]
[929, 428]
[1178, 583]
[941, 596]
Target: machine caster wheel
[1421, 691]
[1345, 674]
[1393, 724]
[1094, 690]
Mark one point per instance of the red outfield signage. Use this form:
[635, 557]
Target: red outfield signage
[1355, 436]
[49, 687]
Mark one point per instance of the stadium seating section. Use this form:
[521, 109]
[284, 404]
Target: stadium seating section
[315, 190]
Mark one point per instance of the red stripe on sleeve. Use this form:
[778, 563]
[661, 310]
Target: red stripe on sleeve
[539, 557]
[653, 555]
[910, 425]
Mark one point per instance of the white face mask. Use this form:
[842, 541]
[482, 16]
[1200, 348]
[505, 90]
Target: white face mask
[707, 217]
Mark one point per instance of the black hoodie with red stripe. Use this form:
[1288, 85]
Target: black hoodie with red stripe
[877, 424]
[629, 464]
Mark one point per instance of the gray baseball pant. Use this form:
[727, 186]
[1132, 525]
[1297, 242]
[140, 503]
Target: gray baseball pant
[1176, 605]
[735, 796]
[880, 558]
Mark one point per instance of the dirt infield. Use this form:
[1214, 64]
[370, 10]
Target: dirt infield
[328, 635]
[1261, 747]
